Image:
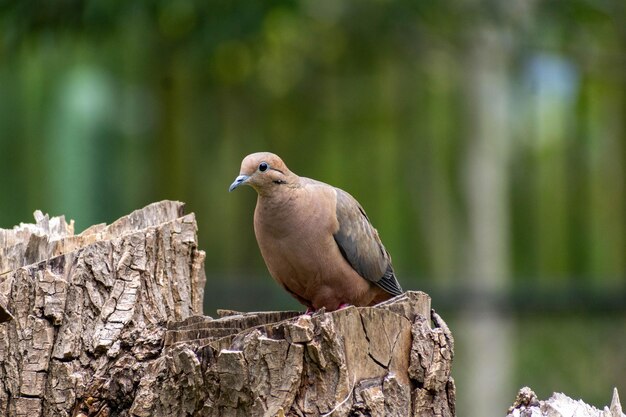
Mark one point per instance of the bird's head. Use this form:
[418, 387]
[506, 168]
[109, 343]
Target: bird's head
[262, 171]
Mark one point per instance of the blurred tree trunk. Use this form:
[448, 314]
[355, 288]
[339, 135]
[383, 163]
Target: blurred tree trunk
[486, 331]
[108, 323]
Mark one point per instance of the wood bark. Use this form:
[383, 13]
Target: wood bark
[560, 405]
[108, 323]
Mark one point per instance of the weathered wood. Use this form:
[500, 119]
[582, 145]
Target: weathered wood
[108, 323]
[91, 311]
[29, 243]
[380, 361]
[560, 405]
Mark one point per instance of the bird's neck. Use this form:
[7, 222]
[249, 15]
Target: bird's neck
[278, 211]
[275, 202]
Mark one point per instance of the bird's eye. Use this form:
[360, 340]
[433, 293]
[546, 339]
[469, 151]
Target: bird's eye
[263, 166]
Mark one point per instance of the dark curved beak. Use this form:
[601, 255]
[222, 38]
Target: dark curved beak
[238, 181]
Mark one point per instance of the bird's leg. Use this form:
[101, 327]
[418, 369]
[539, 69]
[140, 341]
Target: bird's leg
[309, 311]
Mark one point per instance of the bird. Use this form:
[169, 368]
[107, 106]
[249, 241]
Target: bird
[316, 240]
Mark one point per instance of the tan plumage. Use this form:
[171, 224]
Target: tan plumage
[316, 240]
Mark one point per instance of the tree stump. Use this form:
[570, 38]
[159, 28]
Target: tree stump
[108, 323]
[560, 405]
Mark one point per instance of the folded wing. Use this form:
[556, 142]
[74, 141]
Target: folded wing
[360, 244]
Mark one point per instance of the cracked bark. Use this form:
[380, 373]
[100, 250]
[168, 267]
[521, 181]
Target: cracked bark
[84, 315]
[387, 360]
[108, 323]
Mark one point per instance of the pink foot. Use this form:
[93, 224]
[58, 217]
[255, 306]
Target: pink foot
[343, 305]
[309, 311]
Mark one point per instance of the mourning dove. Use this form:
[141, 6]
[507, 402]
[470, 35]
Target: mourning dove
[316, 239]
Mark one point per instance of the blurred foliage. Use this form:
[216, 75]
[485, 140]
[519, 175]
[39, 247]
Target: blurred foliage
[106, 106]
[569, 349]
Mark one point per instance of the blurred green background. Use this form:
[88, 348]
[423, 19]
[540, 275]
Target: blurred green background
[486, 140]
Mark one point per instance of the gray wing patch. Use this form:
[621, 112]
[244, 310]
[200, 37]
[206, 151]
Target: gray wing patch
[389, 282]
[360, 245]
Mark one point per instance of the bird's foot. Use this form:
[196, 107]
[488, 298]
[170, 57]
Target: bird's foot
[343, 305]
[309, 311]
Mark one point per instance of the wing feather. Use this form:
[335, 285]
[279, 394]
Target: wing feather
[361, 246]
